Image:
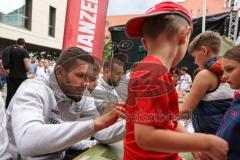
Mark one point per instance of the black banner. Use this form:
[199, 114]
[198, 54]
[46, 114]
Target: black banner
[134, 49]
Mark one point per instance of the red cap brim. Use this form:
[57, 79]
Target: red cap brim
[134, 26]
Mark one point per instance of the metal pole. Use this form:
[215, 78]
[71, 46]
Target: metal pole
[204, 15]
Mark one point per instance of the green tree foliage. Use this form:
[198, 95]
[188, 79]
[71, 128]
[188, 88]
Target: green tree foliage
[107, 52]
[45, 55]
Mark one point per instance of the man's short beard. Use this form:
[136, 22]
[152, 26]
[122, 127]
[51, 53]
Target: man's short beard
[66, 88]
[111, 83]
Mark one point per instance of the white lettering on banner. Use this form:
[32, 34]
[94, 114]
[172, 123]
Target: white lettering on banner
[93, 1]
[87, 16]
[87, 49]
[90, 7]
[86, 27]
[87, 24]
[86, 39]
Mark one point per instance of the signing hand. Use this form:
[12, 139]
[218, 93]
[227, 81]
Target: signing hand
[111, 117]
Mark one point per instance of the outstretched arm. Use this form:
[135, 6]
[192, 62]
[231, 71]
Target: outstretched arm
[161, 140]
[200, 86]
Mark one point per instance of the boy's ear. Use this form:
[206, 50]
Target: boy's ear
[184, 35]
[144, 43]
[205, 50]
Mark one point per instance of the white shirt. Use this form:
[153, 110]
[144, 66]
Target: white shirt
[185, 82]
[44, 72]
[122, 88]
[104, 94]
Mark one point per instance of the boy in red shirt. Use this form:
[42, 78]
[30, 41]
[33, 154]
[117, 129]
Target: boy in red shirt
[152, 130]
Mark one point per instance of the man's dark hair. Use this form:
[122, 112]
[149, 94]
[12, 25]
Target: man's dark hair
[109, 64]
[71, 57]
[123, 57]
[20, 41]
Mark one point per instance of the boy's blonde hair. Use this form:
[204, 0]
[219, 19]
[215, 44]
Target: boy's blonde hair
[167, 23]
[209, 39]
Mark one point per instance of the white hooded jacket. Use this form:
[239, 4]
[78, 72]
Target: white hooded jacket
[43, 122]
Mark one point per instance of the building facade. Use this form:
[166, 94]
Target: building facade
[40, 22]
[195, 7]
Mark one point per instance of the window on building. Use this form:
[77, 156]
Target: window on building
[16, 13]
[28, 14]
[52, 19]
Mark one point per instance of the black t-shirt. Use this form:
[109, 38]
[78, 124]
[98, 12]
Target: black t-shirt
[17, 68]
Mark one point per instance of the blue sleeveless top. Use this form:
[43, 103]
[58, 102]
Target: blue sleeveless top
[212, 107]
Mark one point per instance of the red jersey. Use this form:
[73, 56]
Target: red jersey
[153, 101]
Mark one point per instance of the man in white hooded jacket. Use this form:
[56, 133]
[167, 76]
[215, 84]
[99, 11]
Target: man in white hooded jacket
[43, 117]
[4, 141]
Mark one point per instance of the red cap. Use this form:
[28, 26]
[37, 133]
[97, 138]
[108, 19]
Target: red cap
[134, 25]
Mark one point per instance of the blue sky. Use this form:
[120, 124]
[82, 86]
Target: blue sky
[122, 7]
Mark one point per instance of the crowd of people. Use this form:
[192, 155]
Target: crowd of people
[79, 102]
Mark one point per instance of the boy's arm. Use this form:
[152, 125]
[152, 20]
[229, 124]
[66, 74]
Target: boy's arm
[199, 88]
[161, 140]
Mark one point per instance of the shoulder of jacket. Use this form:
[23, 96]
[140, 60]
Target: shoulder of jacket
[35, 84]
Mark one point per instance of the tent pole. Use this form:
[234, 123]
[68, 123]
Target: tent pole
[204, 15]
